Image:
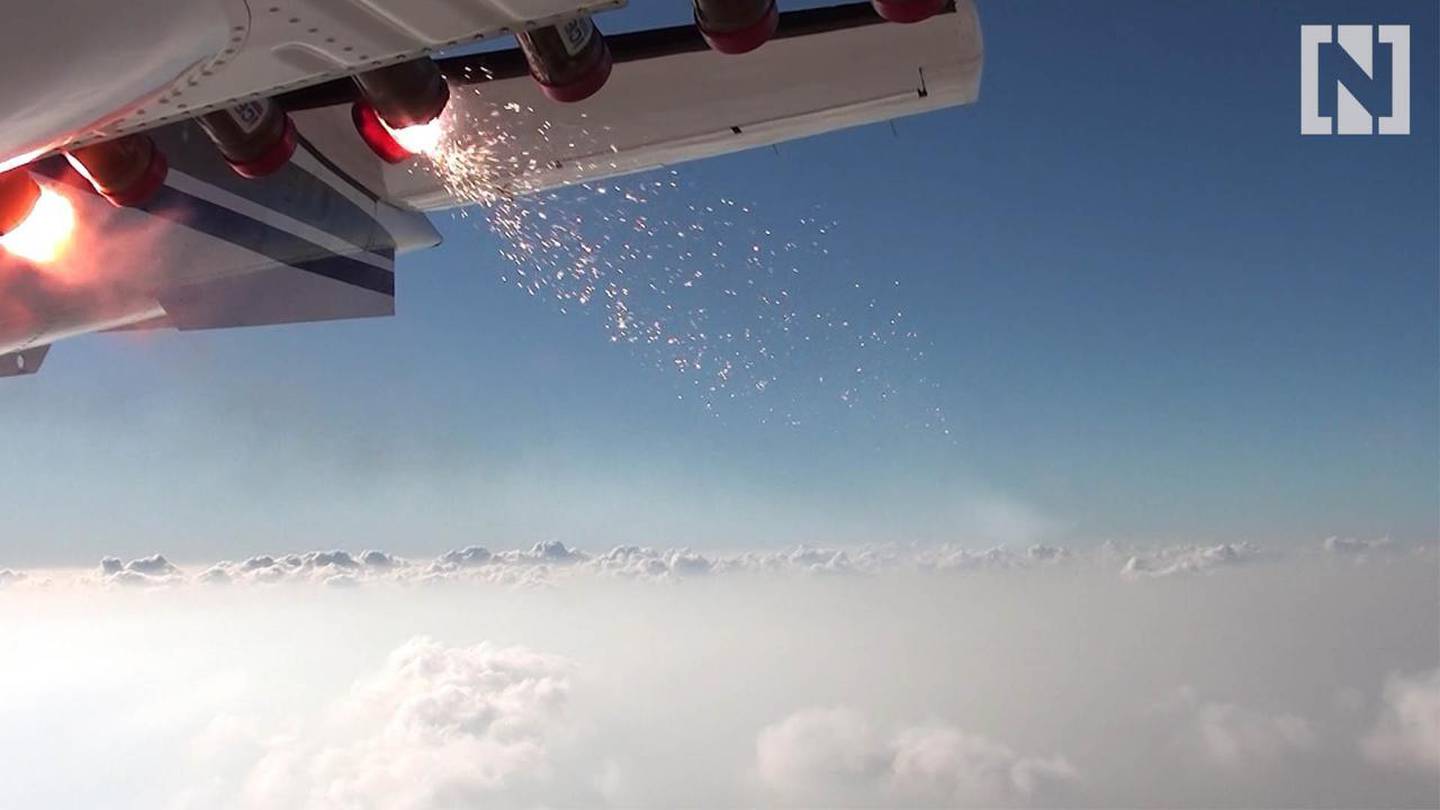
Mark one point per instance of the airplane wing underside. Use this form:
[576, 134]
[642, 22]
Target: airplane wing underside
[317, 240]
[671, 100]
[210, 250]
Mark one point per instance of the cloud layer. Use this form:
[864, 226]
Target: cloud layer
[552, 561]
[1183, 676]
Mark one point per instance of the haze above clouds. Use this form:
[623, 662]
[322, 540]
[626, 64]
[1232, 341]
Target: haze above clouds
[1226, 676]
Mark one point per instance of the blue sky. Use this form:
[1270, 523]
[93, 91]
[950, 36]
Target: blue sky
[1149, 310]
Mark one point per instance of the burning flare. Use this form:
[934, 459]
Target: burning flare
[417, 139]
[45, 232]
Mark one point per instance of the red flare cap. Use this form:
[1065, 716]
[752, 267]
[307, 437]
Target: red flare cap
[18, 194]
[139, 191]
[908, 11]
[272, 159]
[743, 40]
[583, 87]
[376, 136]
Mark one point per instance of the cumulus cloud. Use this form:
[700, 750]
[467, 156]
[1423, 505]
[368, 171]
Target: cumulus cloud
[1407, 735]
[154, 565]
[378, 560]
[1358, 548]
[145, 571]
[466, 557]
[647, 563]
[939, 765]
[552, 552]
[334, 567]
[833, 756]
[437, 727]
[817, 752]
[1188, 560]
[1238, 737]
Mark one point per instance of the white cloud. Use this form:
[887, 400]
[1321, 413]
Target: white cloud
[810, 560]
[647, 563]
[1188, 560]
[1407, 734]
[334, 567]
[833, 756]
[1238, 737]
[466, 557]
[1363, 550]
[436, 727]
[939, 765]
[154, 570]
[818, 753]
[379, 560]
[552, 552]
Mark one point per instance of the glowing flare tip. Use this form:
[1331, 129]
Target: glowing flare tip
[46, 230]
[418, 139]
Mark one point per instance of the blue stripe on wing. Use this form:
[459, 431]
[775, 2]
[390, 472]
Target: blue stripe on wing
[282, 246]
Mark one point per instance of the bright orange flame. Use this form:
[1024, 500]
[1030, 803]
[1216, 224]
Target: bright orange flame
[417, 139]
[45, 232]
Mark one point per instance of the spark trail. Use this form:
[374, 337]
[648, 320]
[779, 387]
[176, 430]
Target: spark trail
[709, 288]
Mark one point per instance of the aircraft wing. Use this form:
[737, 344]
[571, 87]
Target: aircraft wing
[671, 99]
[209, 250]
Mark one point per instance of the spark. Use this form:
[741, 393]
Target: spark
[709, 292]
